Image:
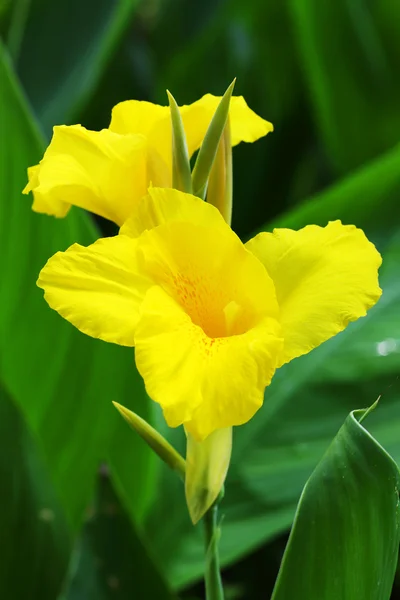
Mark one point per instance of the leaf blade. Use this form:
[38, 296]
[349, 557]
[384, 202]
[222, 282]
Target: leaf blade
[69, 380]
[348, 520]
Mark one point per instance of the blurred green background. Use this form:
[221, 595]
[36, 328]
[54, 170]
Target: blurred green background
[86, 512]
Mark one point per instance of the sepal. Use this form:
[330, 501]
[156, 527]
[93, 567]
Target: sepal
[219, 192]
[209, 147]
[181, 175]
[207, 464]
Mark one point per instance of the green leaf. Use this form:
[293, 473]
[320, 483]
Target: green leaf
[61, 59]
[35, 538]
[19, 15]
[64, 382]
[367, 198]
[112, 560]
[345, 538]
[353, 85]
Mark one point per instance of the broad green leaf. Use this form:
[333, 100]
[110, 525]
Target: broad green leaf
[345, 538]
[353, 85]
[367, 198]
[63, 381]
[64, 51]
[112, 561]
[18, 17]
[35, 539]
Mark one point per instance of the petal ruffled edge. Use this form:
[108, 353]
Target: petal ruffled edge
[99, 289]
[100, 171]
[205, 383]
[325, 277]
[162, 205]
[42, 203]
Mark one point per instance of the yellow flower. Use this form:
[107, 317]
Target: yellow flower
[108, 171]
[211, 318]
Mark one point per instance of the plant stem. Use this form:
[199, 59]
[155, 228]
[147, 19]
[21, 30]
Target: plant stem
[214, 589]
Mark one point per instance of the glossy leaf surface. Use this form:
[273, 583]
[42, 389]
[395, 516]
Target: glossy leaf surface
[345, 538]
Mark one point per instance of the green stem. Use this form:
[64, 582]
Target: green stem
[214, 589]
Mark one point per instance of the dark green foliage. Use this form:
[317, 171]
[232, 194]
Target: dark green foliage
[345, 537]
[325, 73]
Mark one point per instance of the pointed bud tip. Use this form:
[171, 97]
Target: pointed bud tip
[119, 407]
[154, 439]
[230, 88]
[370, 409]
[197, 509]
[171, 99]
[124, 412]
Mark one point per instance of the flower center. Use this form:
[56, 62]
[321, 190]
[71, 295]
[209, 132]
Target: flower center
[210, 306]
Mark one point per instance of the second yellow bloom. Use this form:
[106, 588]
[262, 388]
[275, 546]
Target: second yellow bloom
[107, 172]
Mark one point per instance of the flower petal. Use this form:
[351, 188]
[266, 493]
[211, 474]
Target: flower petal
[208, 271]
[207, 342]
[100, 171]
[153, 121]
[139, 116]
[324, 277]
[98, 289]
[246, 125]
[205, 383]
[42, 202]
[238, 369]
[166, 356]
[162, 205]
[150, 120]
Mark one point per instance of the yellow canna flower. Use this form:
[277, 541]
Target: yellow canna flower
[108, 171]
[211, 318]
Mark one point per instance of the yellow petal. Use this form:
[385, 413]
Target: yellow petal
[166, 356]
[42, 203]
[98, 289]
[202, 382]
[207, 342]
[238, 369]
[246, 125]
[137, 116]
[153, 121]
[207, 465]
[150, 120]
[100, 171]
[325, 277]
[162, 205]
[205, 269]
